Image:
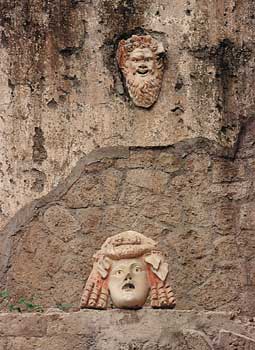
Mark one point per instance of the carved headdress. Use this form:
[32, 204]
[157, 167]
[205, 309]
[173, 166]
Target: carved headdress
[128, 245]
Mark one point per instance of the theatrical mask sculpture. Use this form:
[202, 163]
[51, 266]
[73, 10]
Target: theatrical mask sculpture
[141, 60]
[127, 269]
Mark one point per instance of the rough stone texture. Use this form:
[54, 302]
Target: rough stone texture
[184, 197]
[62, 94]
[231, 341]
[182, 174]
[126, 330]
[61, 223]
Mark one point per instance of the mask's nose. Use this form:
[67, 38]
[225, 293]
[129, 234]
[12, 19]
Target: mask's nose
[128, 277]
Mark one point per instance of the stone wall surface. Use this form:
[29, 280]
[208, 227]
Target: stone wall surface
[192, 198]
[126, 330]
[62, 94]
[79, 162]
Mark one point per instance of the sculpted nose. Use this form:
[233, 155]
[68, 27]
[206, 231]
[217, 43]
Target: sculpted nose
[128, 277]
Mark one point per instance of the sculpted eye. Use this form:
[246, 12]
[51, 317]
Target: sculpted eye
[137, 59]
[118, 272]
[138, 269]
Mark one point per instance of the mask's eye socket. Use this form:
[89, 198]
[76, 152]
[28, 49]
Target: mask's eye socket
[137, 269]
[118, 273]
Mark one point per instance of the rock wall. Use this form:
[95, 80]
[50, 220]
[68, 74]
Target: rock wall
[181, 172]
[62, 94]
[191, 198]
[127, 330]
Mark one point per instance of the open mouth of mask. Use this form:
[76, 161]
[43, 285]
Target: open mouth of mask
[128, 286]
[142, 71]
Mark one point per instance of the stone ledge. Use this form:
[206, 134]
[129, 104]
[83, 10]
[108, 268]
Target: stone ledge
[124, 329]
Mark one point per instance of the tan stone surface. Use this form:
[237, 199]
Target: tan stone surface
[129, 330]
[186, 180]
[229, 341]
[62, 94]
[61, 223]
[47, 249]
[155, 181]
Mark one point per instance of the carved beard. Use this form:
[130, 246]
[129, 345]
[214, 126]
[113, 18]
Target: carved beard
[144, 91]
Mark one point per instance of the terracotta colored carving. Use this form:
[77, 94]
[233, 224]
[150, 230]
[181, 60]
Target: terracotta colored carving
[127, 269]
[141, 60]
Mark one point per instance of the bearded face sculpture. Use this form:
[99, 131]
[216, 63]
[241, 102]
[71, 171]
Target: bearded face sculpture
[141, 60]
[127, 269]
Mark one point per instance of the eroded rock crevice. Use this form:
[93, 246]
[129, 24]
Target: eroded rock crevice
[39, 151]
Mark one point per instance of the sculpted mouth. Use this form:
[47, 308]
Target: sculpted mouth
[128, 286]
[142, 71]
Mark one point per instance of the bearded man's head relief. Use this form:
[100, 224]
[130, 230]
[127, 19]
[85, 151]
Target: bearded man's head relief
[127, 270]
[141, 60]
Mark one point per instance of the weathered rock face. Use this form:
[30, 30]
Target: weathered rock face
[191, 198]
[126, 330]
[62, 94]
